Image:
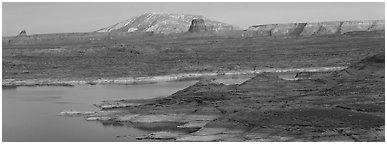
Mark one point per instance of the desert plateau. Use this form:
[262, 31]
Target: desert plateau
[306, 81]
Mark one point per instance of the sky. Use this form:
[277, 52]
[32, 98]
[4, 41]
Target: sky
[55, 17]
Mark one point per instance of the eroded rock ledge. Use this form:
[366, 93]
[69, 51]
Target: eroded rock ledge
[153, 79]
[345, 105]
[318, 28]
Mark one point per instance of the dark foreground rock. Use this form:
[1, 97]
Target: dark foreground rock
[346, 105]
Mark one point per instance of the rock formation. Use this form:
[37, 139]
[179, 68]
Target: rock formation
[22, 33]
[165, 24]
[351, 26]
[197, 25]
[368, 67]
[346, 105]
[319, 28]
[322, 28]
[151, 24]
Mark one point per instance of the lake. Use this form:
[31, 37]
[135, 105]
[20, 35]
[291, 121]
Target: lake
[30, 114]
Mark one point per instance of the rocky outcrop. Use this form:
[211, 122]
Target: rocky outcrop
[165, 23]
[197, 25]
[351, 26]
[346, 105]
[319, 28]
[76, 113]
[22, 33]
[278, 29]
[151, 24]
[371, 66]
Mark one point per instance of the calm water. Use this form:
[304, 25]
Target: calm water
[30, 113]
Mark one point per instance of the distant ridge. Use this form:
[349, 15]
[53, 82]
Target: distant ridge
[169, 23]
[165, 23]
[316, 28]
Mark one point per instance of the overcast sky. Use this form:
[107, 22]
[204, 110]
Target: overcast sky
[37, 18]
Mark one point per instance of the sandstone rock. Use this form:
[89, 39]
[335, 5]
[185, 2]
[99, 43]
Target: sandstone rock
[263, 30]
[352, 26]
[76, 113]
[194, 124]
[374, 134]
[22, 33]
[210, 131]
[211, 134]
[329, 28]
[293, 29]
[197, 25]
[378, 25]
[271, 139]
[98, 118]
[157, 118]
[201, 138]
[171, 118]
[164, 23]
[115, 104]
[162, 135]
[104, 113]
[200, 117]
[319, 28]
[126, 118]
[334, 139]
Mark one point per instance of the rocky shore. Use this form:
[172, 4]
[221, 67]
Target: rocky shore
[344, 105]
[155, 79]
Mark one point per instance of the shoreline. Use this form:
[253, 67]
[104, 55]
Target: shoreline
[156, 79]
[345, 106]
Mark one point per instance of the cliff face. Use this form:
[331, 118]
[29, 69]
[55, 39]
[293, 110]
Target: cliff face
[22, 33]
[150, 24]
[197, 25]
[320, 28]
[165, 24]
